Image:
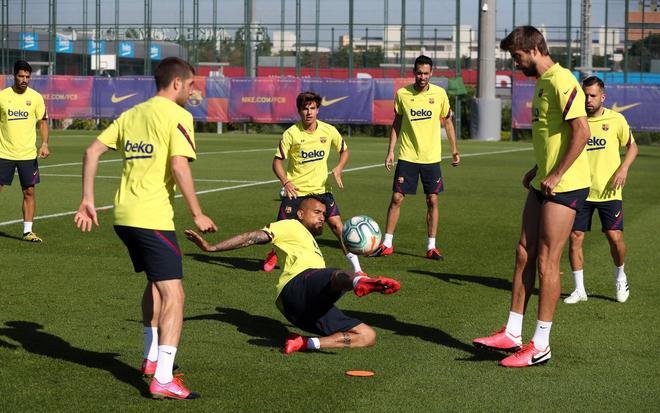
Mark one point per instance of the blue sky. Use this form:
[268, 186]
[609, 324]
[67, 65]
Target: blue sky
[333, 13]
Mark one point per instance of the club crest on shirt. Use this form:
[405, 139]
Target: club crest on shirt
[431, 101]
[323, 139]
[605, 127]
[287, 210]
[540, 92]
[28, 102]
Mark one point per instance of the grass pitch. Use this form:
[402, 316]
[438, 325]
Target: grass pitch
[71, 336]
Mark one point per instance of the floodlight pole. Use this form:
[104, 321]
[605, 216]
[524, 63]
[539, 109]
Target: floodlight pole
[585, 40]
[350, 39]
[458, 74]
[298, 35]
[486, 114]
[97, 37]
[52, 28]
[569, 52]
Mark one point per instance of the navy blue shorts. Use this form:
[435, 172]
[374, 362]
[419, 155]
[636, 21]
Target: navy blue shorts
[155, 252]
[610, 213]
[28, 172]
[308, 302]
[407, 175]
[289, 207]
[572, 199]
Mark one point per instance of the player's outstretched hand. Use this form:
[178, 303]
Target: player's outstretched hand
[389, 161]
[44, 151]
[85, 216]
[205, 224]
[198, 240]
[337, 174]
[455, 159]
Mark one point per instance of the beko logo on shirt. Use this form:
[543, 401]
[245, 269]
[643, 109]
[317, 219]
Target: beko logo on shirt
[595, 143]
[138, 150]
[421, 114]
[312, 156]
[17, 114]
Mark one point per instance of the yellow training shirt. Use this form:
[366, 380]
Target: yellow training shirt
[302, 251]
[148, 135]
[558, 98]
[609, 132]
[18, 118]
[308, 155]
[420, 133]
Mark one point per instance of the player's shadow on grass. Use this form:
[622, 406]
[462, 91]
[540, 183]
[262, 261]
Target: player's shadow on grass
[265, 332]
[5, 235]
[34, 340]
[430, 334]
[248, 264]
[461, 279]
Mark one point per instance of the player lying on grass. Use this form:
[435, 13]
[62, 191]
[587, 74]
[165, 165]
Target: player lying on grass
[307, 290]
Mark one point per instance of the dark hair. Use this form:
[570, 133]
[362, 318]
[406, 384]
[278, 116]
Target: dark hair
[593, 80]
[22, 65]
[312, 196]
[306, 97]
[423, 60]
[170, 68]
[525, 38]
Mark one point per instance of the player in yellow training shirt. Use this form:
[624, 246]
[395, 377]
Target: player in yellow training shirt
[306, 290]
[557, 187]
[609, 132]
[21, 107]
[420, 108]
[156, 141]
[306, 146]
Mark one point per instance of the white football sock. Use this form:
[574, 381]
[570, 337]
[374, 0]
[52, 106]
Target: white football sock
[151, 343]
[619, 274]
[166, 356]
[541, 337]
[578, 278]
[313, 343]
[431, 244]
[353, 259]
[27, 227]
[356, 279]
[388, 240]
[514, 324]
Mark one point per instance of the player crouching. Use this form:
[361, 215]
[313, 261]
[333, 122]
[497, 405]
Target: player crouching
[307, 290]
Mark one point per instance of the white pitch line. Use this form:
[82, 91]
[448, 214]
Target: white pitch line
[227, 188]
[121, 159]
[119, 177]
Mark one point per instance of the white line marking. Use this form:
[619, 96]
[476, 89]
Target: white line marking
[119, 177]
[227, 188]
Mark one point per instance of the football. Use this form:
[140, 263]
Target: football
[361, 235]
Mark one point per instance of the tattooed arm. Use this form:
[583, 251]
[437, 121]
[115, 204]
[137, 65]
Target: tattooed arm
[239, 241]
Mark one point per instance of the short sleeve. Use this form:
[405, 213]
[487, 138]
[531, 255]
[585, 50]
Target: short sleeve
[40, 109]
[625, 133]
[571, 99]
[283, 147]
[110, 136]
[337, 141]
[445, 109]
[182, 138]
[397, 104]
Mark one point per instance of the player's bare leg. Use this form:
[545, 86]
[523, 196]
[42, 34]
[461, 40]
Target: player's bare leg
[618, 251]
[432, 227]
[29, 203]
[151, 304]
[524, 274]
[393, 212]
[359, 336]
[576, 257]
[556, 223]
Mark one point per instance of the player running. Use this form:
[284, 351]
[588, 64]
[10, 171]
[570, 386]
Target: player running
[21, 108]
[306, 145]
[558, 185]
[609, 132]
[157, 141]
[307, 290]
[420, 108]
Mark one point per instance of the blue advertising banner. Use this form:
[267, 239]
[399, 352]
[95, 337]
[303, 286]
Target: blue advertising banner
[637, 103]
[154, 52]
[113, 95]
[126, 49]
[344, 100]
[63, 44]
[264, 100]
[95, 47]
[28, 41]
